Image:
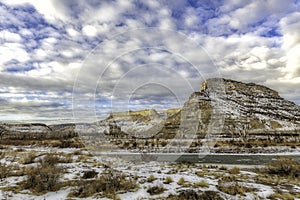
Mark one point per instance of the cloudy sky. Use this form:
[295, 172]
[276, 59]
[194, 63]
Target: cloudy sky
[61, 59]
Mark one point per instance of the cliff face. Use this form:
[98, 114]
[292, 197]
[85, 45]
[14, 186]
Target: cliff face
[257, 107]
[240, 108]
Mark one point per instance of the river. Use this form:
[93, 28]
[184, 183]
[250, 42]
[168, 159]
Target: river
[226, 159]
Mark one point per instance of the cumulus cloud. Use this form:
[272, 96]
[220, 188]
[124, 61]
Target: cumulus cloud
[290, 26]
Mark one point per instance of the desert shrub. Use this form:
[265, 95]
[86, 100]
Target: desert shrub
[68, 143]
[234, 170]
[223, 168]
[6, 167]
[201, 183]
[168, 180]
[151, 178]
[210, 195]
[4, 171]
[136, 177]
[283, 166]
[89, 174]
[78, 152]
[200, 173]
[181, 181]
[233, 188]
[193, 195]
[230, 178]
[285, 196]
[49, 160]
[188, 195]
[108, 184]
[28, 158]
[157, 189]
[45, 177]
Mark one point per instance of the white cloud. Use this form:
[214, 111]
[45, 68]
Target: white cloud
[48, 8]
[11, 51]
[72, 32]
[290, 26]
[10, 37]
[40, 54]
[167, 23]
[245, 16]
[89, 30]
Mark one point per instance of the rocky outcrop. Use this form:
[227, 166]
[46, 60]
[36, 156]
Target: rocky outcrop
[35, 131]
[140, 116]
[240, 108]
[252, 107]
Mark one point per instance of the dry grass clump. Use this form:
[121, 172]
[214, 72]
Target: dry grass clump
[193, 195]
[285, 196]
[168, 180]
[210, 195]
[223, 168]
[4, 168]
[89, 174]
[283, 166]
[233, 188]
[45, 177]
[181, 181]
[234, 170]
[157, 189]
[50, 159]
[28, 158]
[202, 184]
[282, 171]
[4, 171]
[151, 178]
[200, 173]
[185, 195]
[108, 184]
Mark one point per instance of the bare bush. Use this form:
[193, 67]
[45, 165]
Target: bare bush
[45, 177]
[283, 166]
[108, 184]
[157, 189]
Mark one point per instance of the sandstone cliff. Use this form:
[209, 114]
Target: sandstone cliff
[240, 108]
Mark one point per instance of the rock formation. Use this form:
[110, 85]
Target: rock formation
[242, 108]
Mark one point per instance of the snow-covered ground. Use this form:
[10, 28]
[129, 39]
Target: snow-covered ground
[80, 160]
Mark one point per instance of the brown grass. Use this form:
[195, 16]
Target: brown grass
[285, 196]
[193, 195]
[151, 178]
[234, 170]
[45, 177]
[157, 189]
[181, 181]
[202, 184]
[28, 157]
[283, 166]
[233, 188]
[108, 184]
[89, 174]
[168, 180]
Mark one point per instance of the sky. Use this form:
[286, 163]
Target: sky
[62, 60]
